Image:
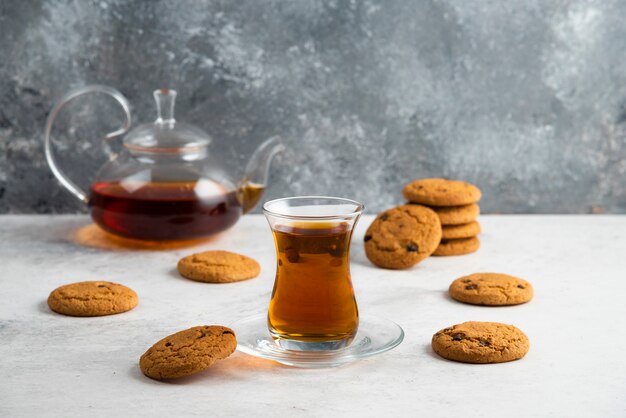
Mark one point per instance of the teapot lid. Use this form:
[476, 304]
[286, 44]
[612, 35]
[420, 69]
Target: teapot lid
[165, 134]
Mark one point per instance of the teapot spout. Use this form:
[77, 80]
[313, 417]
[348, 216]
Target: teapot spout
[254, 181]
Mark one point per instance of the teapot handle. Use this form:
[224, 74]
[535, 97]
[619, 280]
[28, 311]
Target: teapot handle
[63, 179]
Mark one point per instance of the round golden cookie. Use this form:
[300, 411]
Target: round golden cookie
[460, 231]
[459, 246]
[95, 298]
[188, 352]
[456, 215]
[402, 236]
[441, 192]
[481, 342]
[492, 289]
[218, 267]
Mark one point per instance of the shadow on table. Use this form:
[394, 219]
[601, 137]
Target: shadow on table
[428, 350]
[357, 255]
[446, 295]
[93, 236]
[238, 366]
[176, 275]
[45, 309]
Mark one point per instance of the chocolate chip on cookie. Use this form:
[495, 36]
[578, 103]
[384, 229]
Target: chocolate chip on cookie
[459, 246]
[492, 289]
[218, 267]
[481, 342]
[188, 352]
[94, 298]
[441, 192]
[403, 236]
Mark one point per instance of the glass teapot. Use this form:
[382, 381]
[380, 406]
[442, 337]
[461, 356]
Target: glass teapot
[164, 184]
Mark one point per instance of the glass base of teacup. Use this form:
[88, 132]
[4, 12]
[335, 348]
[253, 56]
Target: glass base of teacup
[311, 343]
[374, 336]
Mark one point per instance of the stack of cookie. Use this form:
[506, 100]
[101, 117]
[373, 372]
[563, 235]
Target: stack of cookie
[455, 202]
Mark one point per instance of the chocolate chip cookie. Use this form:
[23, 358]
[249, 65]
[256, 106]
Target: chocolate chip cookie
[441, 192]
[481, 342]
[188, 352]
[492, 289]
[402, 237]
[94, 298]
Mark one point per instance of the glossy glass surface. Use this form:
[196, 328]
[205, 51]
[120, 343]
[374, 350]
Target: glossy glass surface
[375, 336]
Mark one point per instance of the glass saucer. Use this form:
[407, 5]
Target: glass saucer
[375, 336]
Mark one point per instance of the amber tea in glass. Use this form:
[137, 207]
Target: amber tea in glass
[313, 305]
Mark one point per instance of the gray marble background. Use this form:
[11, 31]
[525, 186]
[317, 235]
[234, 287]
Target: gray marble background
[527, 99]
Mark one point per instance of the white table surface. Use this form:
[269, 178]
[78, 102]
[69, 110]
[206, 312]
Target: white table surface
[52, 365]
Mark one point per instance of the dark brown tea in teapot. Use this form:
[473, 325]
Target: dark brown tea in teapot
[164, 210]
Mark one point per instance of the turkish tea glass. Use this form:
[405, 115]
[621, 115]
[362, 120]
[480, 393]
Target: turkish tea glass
[313, 305]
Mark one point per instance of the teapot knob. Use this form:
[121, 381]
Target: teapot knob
[165, 101]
